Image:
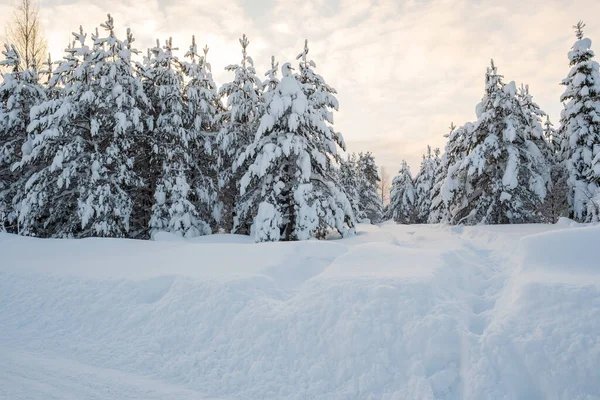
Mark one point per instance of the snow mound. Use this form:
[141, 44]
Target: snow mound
[163, 236]
[568, 251]
[563, 221]
[547, 321]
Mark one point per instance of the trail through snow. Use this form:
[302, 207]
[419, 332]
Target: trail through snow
[396, 312]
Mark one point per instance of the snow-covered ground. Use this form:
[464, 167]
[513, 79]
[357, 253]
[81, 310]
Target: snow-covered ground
[396, 312]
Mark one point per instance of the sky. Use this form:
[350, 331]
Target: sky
[404, 69]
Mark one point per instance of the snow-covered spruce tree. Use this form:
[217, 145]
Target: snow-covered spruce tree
[289, 180]
[403, 197]
[20, 91]
[147, 164]
[86, 143]
[332, 204]
[503, 177]
[239, 123]
[247, 210]
[424, 185]
[105, 205]
[60, 154]
[556, 204]
[202, 106]
[173, 209]
[580, 126]
[370, 205]
[349, 181]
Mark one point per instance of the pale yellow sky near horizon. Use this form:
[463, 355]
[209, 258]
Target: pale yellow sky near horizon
[404, 70]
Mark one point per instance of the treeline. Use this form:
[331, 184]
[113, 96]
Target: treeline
[511, 165]
[101, 144]
[107, 143]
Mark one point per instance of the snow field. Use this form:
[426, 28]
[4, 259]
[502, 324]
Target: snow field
[395, 312]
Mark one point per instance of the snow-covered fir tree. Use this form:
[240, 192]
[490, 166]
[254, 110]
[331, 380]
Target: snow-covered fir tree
[105, 205]
[86, 143]
[349, 181]
[173, 210]
[580, 127]
[20, 91]
[115, 148]
[201, 107]
[403, 197]
[370, 205]
[239, 123]
[61, 154]
[289, 186]
[503, 177]
[424, 185]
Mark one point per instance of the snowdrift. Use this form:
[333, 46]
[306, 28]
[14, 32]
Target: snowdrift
[396, 312]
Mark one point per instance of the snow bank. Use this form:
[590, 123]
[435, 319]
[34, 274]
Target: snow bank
[397, 312]
[569, 251]
[216, 258]
[544, 338]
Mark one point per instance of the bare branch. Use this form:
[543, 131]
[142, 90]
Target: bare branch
[24, 32]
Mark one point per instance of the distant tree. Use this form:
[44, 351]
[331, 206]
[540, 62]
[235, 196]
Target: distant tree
[402, 197]
[384, 186]
[25, 33]
[442, 190]
[556, 204]
[370, 203]
[349, 181]
[424, 185]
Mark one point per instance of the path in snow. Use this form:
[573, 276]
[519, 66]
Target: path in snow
[468, 283]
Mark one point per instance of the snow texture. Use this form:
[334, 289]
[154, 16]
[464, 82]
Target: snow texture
[394, 312]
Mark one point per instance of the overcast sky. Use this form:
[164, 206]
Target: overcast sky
[404, 70]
